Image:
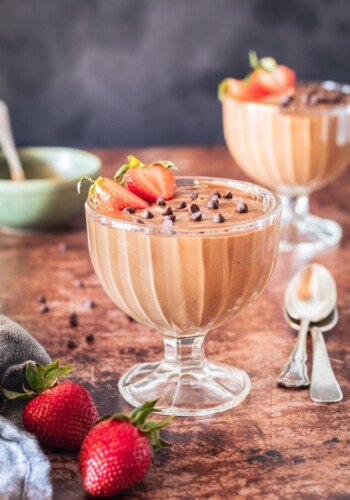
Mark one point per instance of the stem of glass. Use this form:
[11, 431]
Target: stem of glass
[184, 355]
[294, 207]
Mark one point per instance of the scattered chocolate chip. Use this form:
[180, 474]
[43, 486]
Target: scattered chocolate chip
[78, 284]
[286, 100]
[41, 299]
[181, 205]
[197, 216]
[161, 202]
[219, 218]
[44, 308]
[213, 203]
[193, 208]
[146, 214]
[62, 247]
[194, 196]
[131, 319]
[73, 320]
[129, 210]
[242, 208]
[72, 344]
[139, 221]
[90, 337]
[227, 195]
[89, 304]
[170, 217]
[216, 193]
[168, 222]
[168, 211]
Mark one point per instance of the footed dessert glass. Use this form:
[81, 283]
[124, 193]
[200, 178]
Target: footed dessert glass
[185, 282]
[293, 151]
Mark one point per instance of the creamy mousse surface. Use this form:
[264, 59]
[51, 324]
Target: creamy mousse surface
[293, 143]
[190, 274]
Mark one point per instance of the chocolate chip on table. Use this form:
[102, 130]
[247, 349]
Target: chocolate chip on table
[196, 216]
[170, 217]
[168, 222]
[129, 210]
[146, 214]
[41, 299]
[44, 308]
[193, 208]
[72, 344]
[181, 205]
[78, 284]
[216, 193]
[73, 320]
[286, 100]
[194, 196]
[242, 208]
[62, 247]
[168, 211]
[139, 221]
[161, 202]
[227, 195]
[89, 304]
[213, 203]
[90, 337]
[219, 218]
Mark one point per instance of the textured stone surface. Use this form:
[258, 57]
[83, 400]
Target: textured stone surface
[277, 444]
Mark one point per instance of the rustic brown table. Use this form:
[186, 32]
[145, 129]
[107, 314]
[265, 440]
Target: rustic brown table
[277, 444]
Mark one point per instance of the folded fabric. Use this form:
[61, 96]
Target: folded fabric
[24, 469]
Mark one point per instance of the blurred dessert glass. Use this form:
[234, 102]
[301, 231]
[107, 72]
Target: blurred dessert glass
[294, 144]
[185, 279]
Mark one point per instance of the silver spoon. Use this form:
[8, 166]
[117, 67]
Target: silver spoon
[307, 299]
[8, 145]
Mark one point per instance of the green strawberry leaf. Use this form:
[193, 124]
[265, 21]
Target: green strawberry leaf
[33, 377]
[222, 89]
[18, 396]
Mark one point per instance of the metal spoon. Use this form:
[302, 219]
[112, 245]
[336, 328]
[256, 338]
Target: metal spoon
[324, 385]
[308, 299]
[8, 145]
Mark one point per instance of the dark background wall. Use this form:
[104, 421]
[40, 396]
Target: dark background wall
[144, 72]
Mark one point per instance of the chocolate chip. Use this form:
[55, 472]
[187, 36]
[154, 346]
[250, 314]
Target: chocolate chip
[146, 214]
[89, 304]
[193, 208]
[227, 195]
[168, 222]
[62, 247]
[73, 320]
[41, 299]
[286, 100]
[131, 319]
[242, 208]
[129, 210]
[213, 203]
[171, 217]
[139, 221]
[197, 216]
[72, 344]
[78, 284]
[219, 218]
[216, 193]
[168, 211]
[194, 196]
[44, 308]
[181, 205]
[90, 337]
[161, 202]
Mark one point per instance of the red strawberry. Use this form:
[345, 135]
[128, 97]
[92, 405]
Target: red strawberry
[148, 181]
[108, 196]
[60, 414]
[118, 451]
[270, 77]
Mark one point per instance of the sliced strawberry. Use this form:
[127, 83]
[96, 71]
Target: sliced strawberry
[236, 89]
[270, 77]
[108, 196]
[148, 181]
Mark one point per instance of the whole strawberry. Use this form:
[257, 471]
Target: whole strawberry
[60, 414]
[118, 451]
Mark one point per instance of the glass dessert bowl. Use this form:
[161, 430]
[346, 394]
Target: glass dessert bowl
[185, 277]
[294, 144]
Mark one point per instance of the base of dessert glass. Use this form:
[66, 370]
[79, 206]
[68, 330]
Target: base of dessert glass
[186, 384]
[303, 232]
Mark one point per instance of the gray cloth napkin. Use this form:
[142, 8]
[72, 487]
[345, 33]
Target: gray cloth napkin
[24, 470]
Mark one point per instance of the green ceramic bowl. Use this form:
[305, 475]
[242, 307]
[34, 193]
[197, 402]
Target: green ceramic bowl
[48, 196]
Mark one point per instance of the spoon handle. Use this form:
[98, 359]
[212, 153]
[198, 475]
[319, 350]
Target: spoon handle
[8, 146]
[295, 373]
[324, 386]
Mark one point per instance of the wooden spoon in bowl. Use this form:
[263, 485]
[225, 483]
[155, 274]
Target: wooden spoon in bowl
[8, 144]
